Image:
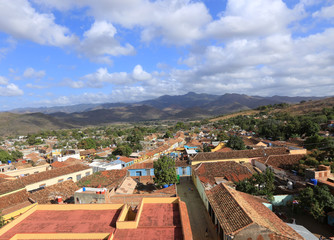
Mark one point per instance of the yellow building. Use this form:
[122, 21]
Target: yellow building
[28, 171]
[155, 218]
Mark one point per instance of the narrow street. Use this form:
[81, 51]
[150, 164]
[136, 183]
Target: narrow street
[199, 217]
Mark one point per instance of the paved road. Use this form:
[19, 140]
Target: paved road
[199, 217]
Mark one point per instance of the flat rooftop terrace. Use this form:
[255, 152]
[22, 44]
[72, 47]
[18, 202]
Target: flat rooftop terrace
[64, 221]
[156, 218]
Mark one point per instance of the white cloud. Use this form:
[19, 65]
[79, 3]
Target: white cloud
[33, 86]
[32, 73]
[10, 90]
[99, 43]
[175, 21]
[3, 80]
[243, 18]
[19, 19]
[99, 78]
[139, 74]
[325, 12]
[11, 44]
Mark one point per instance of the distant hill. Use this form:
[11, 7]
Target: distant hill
[190, 106]
[19, 124]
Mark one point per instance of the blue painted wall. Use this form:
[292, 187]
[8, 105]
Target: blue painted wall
[143, 172]
[179, 171]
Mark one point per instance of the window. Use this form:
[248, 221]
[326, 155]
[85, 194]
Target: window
[69, 178]
[36, 172]
[60, 180]
[87, 173]
[78, 177]
[138, 173]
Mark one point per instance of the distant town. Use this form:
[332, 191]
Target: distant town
[261, 175]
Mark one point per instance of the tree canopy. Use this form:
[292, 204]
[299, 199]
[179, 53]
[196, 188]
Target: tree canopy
[236, 143]
[317, 200]
[164, 171]
[258, 184]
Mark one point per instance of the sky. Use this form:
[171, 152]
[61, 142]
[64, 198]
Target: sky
[65, 52]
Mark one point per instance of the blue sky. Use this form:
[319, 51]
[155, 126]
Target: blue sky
[64, 52]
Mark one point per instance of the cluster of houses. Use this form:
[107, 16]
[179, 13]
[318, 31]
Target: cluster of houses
[126, 186]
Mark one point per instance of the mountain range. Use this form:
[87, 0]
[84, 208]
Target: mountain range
[181, 107]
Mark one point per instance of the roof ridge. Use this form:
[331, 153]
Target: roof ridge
[240, 205]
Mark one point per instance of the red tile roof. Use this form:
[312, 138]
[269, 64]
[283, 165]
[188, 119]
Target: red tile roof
[68, 162]
[34, 178]
[209, 156]
[281, 161]
[64, 189]
[109, 179]
[126, 159]
[34, 157]
[231, 171]
[10, 186]
[141, 166]
[236, 210]
[13, 199]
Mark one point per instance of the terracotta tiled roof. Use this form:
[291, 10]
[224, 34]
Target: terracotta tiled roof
[34, 178]
[181, 164]
[109, 179]
[102, 154]
[208, 156]
[225, 149]
[34, 157]
[64, 189]
[236, 210]
[87, 152]
[126, 159]
[10, 186]
[141, 166]
[13, 199]
[231, 171]
[250, 141]
[68, 162]
[281, 161]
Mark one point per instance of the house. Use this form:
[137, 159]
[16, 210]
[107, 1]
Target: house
[280, 164]
[237, 156]
[87, 153]
[43, 179]
[64, 190]
[69, 161]
[6, 167]
[126, 160]
[207, 175]
[322, 173]
[141, 169]
[240, 216]
[103, 221]
[146, 169]
[64, 158]
[34, 157]
[28, 171]
[99, 166]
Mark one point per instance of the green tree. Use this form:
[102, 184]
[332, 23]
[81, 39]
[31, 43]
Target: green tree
[16, 154]
[168, 134]
[123, 150]
[236, 143]
[164, 171]
[5, 156]
[258, 184]
[87, 143]
[317, 200]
